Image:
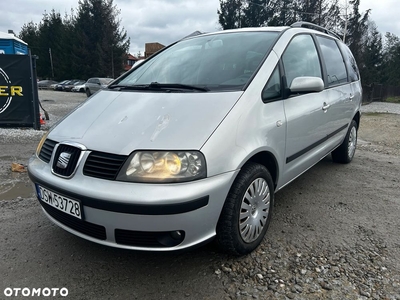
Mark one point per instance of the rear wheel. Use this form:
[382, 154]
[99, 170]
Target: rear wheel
[247, 211]
[345, 152]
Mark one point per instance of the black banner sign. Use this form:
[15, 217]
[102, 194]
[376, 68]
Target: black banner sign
[18, 99]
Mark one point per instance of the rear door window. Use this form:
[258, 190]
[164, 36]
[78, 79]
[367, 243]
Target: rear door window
[352, 68]
[335, 67]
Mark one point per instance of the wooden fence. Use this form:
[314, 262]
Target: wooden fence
[379, 92]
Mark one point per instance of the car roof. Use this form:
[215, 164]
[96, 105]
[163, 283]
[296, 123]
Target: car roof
[299, 26]
[246, 29]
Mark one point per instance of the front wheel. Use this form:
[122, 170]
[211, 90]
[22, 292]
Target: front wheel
[345, 152]
[88, 92]
[247, 211]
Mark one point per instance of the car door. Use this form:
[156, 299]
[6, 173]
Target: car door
[339, 94]
[305, 117]
[353, 75]
[96, 85]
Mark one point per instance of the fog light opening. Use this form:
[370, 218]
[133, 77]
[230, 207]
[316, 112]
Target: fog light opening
[171, 238]
[177, 235]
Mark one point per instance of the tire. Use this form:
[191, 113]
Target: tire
[88, 92]
[345, 152]
[236, 233]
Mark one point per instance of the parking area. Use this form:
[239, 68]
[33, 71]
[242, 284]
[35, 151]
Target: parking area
[334, 233]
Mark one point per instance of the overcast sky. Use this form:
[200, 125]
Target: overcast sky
[166, 21]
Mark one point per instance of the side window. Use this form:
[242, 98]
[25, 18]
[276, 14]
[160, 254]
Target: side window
[272, 89]
[335, 67]
[301, 58]
[90, 81]
[351, 64]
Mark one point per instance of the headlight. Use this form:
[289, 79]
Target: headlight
[39, 147]
[163, 166]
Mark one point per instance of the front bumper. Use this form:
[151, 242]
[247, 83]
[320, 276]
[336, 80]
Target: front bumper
[139, 213]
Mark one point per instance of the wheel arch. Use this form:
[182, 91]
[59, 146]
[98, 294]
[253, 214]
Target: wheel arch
[356, 118]
[268, 160]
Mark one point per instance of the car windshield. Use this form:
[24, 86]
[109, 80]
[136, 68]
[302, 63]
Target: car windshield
[105, 80]
[224, 61]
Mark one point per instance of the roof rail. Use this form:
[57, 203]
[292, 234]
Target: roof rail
[315, 27]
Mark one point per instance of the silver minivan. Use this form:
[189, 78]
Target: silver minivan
[192, 144]
[95, 84]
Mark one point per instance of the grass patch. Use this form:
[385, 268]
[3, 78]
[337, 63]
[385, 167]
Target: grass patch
[393, 100]
[376, 114]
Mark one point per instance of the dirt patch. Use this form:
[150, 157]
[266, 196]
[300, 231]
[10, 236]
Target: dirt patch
[380, 133]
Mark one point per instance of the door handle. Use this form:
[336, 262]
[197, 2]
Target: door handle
[351, 97]
[325, 107]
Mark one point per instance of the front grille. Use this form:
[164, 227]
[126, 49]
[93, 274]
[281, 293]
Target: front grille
[90, 229]
[69, 165]
[103, 165]
[149, 239]
[47, 150]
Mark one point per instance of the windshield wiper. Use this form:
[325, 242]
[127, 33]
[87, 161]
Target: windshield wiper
[129, 87]
[178, 86]
[155, 86]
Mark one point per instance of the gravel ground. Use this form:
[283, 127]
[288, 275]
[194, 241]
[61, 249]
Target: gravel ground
[334, 235]
[381, 107]
[323, 268]
[380, 128]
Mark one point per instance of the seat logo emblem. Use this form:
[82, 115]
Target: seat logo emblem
[63, 160]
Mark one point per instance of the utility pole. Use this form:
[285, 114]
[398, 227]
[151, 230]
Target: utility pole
[112, 62]
[51, 63]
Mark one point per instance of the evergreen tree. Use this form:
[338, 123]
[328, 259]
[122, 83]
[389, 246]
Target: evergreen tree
[321, 12]
[356, 36]
[68, 41]
[357, 28]
[51, 32]
[29, 34]
[283, 13]
[391, 60]
[230, 13]
[256, 13]
[80, 46]
[100, 44]
[372, 56]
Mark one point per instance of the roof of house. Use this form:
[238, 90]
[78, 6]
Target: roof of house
[131, 57]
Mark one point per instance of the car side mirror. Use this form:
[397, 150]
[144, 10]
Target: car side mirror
[306, 84]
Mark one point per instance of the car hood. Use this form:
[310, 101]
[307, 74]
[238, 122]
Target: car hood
[121, 122]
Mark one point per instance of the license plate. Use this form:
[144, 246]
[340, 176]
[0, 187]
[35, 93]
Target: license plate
[60, 202]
